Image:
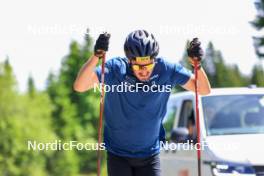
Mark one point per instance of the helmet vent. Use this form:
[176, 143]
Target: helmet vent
[147, 48]
[146, 33]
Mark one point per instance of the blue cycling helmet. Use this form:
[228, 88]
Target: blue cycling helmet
[140, 43]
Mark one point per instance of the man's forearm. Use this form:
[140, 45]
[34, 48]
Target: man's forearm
[86, 77]
[204, 86]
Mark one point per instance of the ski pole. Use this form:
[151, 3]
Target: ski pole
[197, 117]
[99, 157]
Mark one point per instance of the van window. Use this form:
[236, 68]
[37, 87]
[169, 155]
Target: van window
[187, 119]
[234, 114]
[186, 113]
[169, 121]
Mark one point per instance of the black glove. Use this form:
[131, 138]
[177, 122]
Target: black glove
[195, 50]
[101, 44]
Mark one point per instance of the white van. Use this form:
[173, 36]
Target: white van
[232, 133]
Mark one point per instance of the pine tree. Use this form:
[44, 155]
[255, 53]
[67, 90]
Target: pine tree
[75, 114]
[8, 105]
[23, 118]
[31, 86]
[219, 73]
[209, 63]
[258, 75]
[258, 23]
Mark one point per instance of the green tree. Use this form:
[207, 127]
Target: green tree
[209, 63]
[8, 107]
[258, 75]
[23, 118]
[66, 127]
[75, 114]
[219, 73]
[31, 86]
[258, 23]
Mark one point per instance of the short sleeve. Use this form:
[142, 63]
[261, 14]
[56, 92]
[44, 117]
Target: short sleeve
[179, 75]
[108, 72]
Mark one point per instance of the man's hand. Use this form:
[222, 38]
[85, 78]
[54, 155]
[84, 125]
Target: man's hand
[101, 44]
[195, 52]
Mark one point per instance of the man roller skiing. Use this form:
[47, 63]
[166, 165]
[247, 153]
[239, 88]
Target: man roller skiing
[133, 118]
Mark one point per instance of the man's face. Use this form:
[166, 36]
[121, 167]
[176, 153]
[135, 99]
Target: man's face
[142, 69]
